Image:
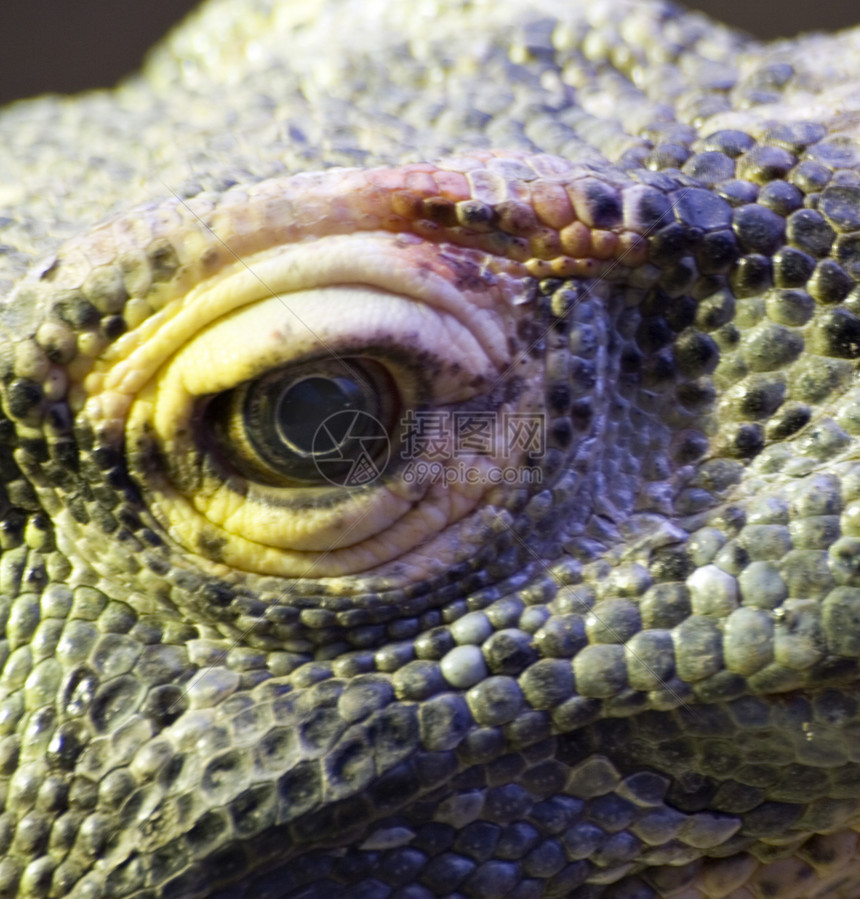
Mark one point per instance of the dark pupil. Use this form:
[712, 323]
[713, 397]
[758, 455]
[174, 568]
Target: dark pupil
[305, 416]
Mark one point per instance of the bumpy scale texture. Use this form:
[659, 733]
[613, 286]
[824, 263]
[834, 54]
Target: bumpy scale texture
[627, 669]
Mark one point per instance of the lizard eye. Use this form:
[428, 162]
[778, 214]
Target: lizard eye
[307, 424]
[266, 411]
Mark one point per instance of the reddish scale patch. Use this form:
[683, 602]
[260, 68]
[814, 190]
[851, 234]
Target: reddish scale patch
[541, 212]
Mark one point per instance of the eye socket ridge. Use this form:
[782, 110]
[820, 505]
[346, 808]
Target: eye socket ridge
[306, 424]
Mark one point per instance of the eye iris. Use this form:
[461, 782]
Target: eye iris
[306, 416]
[308, 424]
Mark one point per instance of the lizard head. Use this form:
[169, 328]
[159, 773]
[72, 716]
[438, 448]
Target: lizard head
[480, 526]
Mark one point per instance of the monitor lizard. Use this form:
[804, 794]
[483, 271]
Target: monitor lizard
[430, 460]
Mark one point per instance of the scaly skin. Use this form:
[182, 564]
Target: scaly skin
[626, 669]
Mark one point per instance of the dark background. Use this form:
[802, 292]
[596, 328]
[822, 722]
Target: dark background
[70, 45]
